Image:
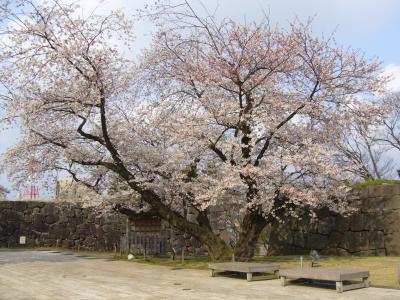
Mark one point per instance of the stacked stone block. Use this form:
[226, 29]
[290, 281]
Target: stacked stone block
[65, 225]
[372, 230]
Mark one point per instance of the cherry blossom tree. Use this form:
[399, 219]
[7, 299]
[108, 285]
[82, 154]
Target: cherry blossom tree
[212, 113]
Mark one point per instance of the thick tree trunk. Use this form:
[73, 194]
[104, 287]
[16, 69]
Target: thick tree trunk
[217, 248]
[202, 231]
[252, 226]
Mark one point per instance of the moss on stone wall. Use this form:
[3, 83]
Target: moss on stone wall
[373, 182]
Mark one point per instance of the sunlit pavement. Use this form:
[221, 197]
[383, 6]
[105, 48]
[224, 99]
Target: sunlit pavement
[46, 275]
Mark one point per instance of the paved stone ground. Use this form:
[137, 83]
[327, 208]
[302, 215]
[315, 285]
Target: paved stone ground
[31, 275]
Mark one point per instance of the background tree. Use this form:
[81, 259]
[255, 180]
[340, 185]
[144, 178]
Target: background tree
[363, 147]
[264, 106]
[390, 135]
[3, 193]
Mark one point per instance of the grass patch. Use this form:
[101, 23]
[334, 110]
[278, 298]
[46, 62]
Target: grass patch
[106, 254]
[373, 182]
[199, 263]
[23, 249]
[383, 270]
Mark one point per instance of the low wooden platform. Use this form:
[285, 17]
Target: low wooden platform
[340, 276]
[244, 267]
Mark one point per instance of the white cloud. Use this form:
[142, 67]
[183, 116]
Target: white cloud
[393, 71]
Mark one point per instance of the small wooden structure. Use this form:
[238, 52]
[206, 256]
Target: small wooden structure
[146, 234]
[337, 275]
[142, 243]
[244, 267]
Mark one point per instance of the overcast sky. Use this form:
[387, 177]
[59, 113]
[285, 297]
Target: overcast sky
[373, 26]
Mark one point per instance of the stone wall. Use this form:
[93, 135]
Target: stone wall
[373, 230]
[68, 225]
[58, 224]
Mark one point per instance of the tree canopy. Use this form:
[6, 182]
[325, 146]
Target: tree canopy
[213, 112]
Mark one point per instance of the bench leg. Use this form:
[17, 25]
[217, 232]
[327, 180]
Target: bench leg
[339, 286]
[366, 282]
[249, 276]
[283, 281]
[276, 274]
[212, 273]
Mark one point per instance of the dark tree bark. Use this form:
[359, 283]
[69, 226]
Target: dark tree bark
[252, 226]
[202, 231]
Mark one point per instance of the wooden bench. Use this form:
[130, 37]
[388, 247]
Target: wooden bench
[337, 275]
[244, 267]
